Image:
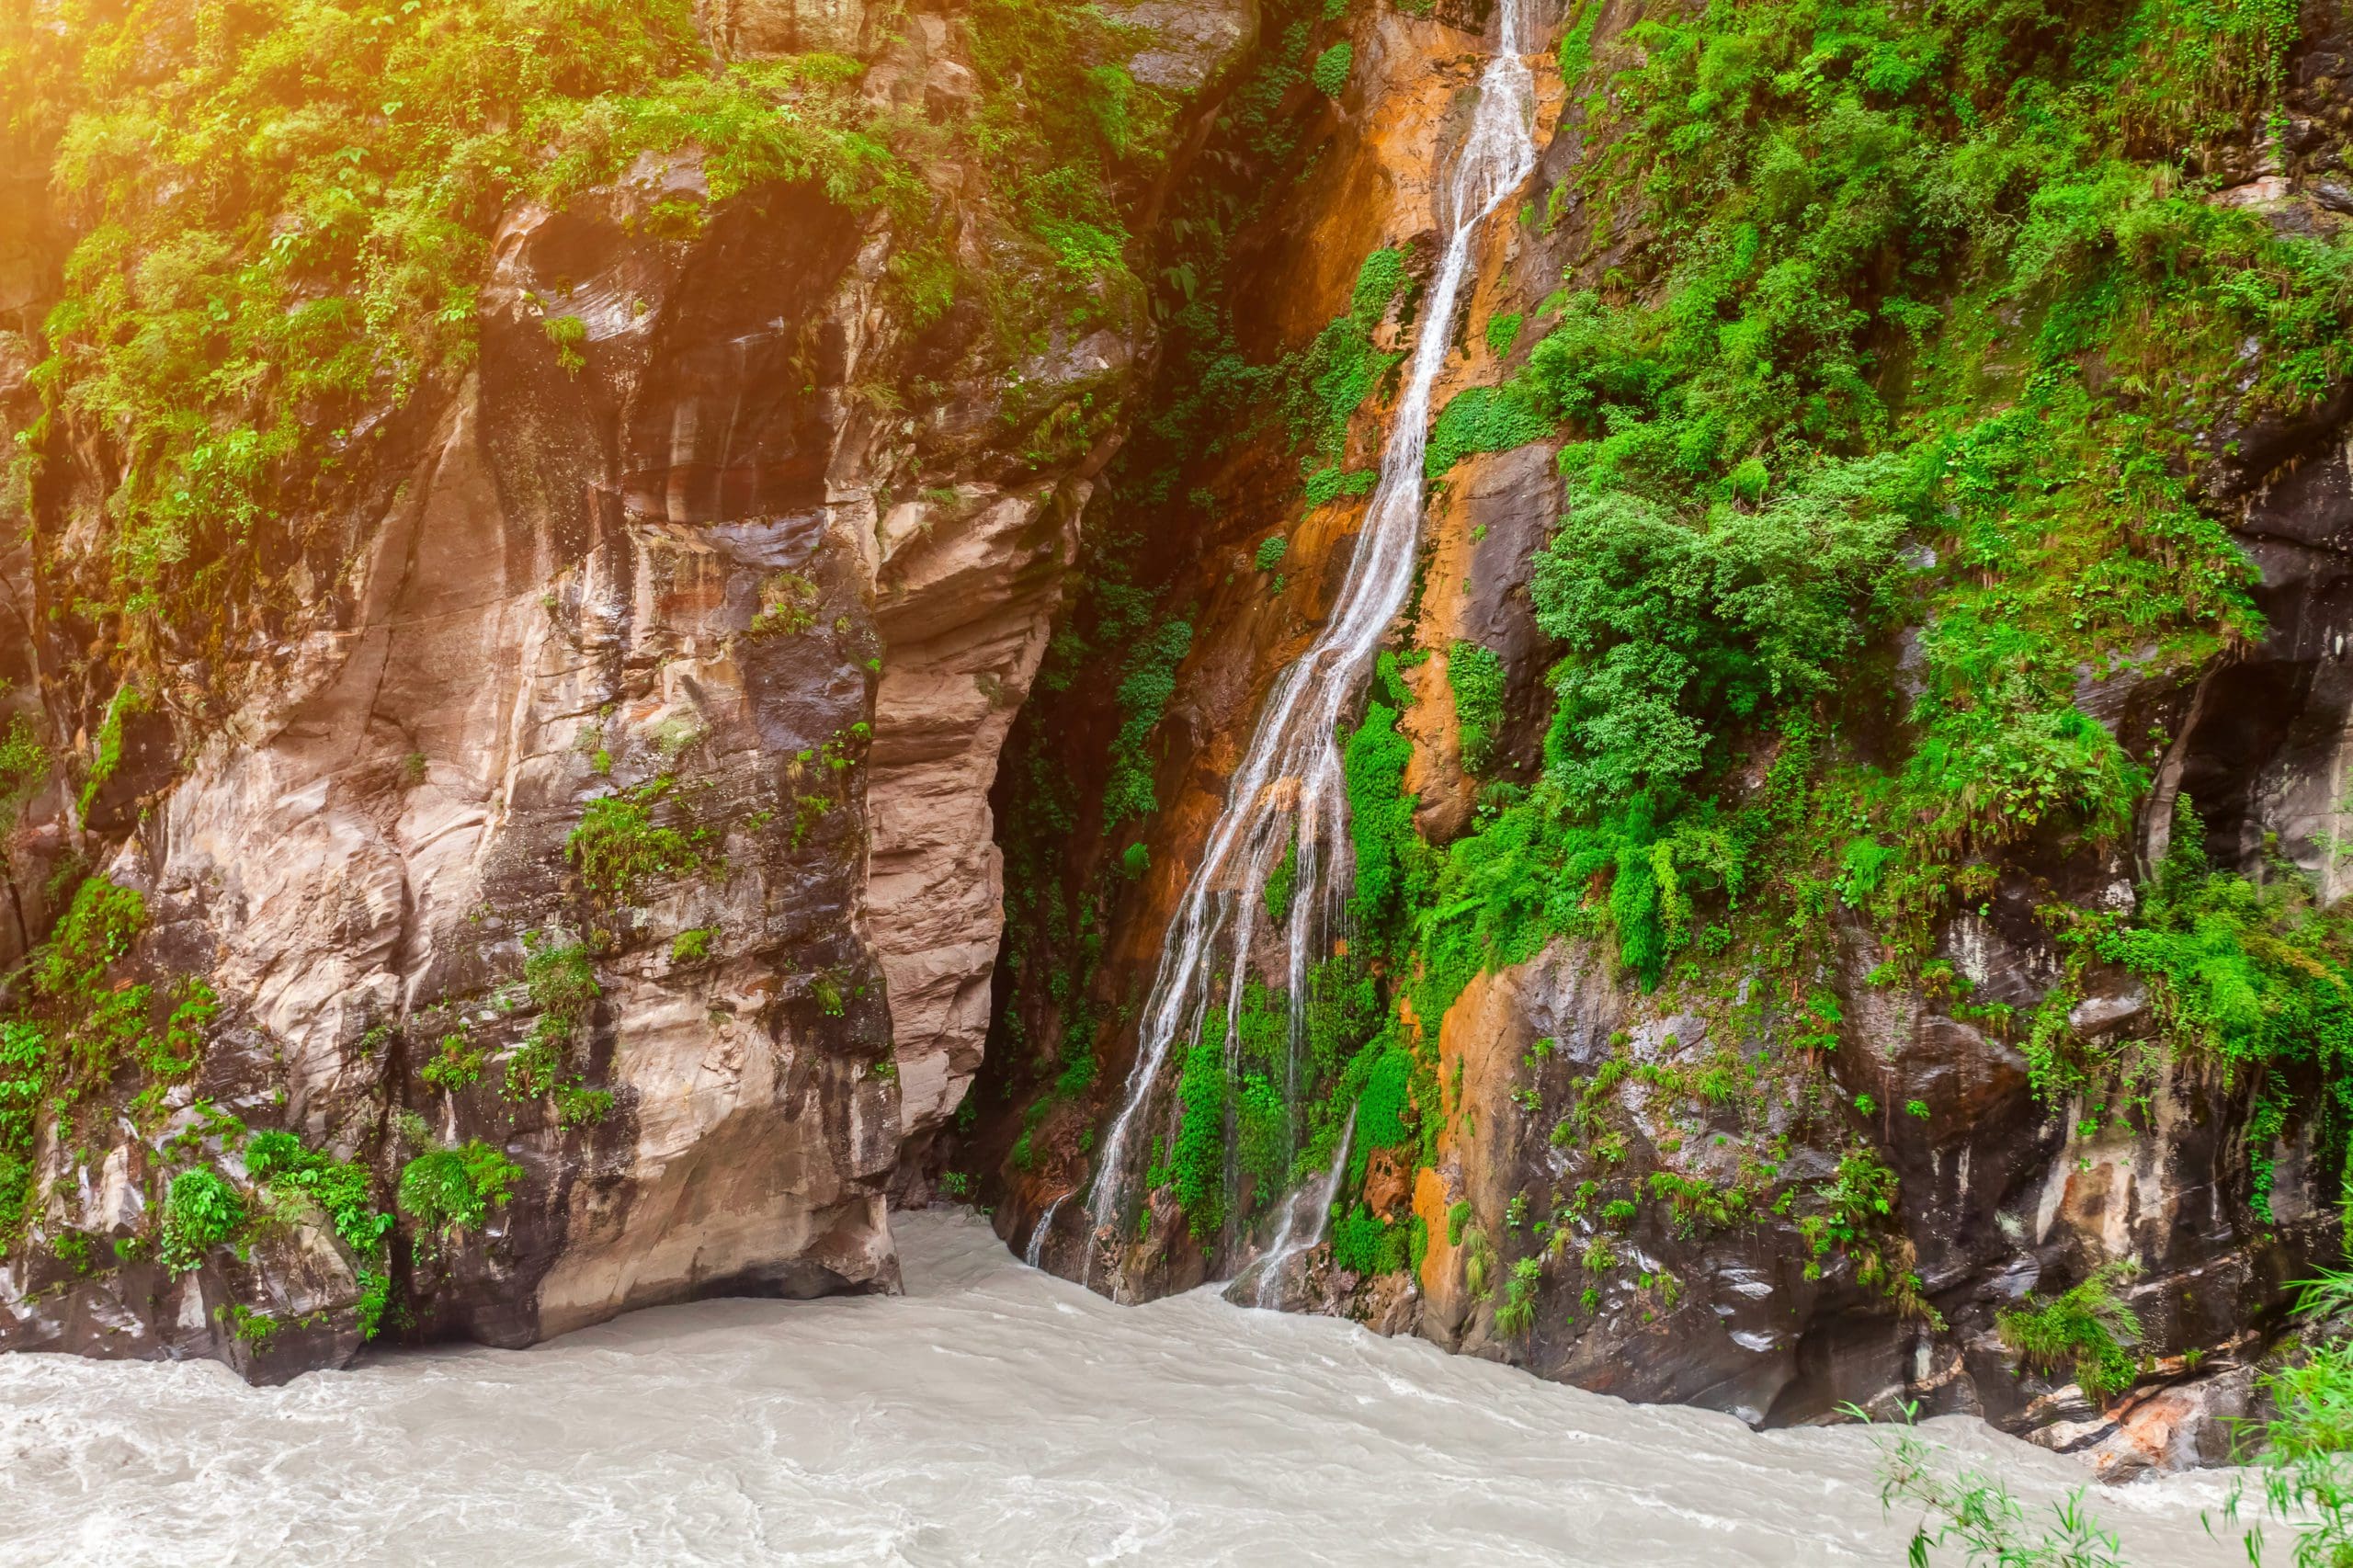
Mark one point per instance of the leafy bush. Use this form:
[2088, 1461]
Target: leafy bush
[2089, 1331]
[1339, 369]
[99, 928]
[1477, 679]
[561, 980]
[1517, 1314]
[618, 847]
[443, 1189]
[1483, 419]
[788, 606]
[1671, 622]
[1197, 1161]
[1365, 1243]
[1328, 485]
[24, 1064]
[1330, 71]
[1381, 818]
[1147, 685]
[1279, 883]
[1272, 550]
[202, 1210]
[283, 1162]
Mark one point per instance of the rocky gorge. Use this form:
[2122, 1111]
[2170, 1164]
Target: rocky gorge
[635, 630]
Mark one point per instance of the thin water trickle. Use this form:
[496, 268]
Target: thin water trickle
[991, 1418]
[1290, 785]
[1283, 1248]
[1036, 1252]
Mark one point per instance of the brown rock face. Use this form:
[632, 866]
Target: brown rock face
[620, 804]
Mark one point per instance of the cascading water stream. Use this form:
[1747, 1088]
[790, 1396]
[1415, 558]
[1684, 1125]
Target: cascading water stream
[1285, 1247]
[1035, 1255]
[1290, 787]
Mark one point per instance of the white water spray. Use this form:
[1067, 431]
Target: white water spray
[1291, 782]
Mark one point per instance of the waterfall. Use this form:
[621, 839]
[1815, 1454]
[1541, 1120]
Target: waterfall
[1035, 1255]
[1289, 784]
[1282, 1249]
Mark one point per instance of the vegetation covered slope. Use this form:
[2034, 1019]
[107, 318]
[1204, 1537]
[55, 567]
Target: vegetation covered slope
[1907, 368]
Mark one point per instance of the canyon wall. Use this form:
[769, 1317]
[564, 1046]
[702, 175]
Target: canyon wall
[1771, 1188]
[600, 818]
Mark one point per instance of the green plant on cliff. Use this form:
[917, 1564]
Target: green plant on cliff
[24, 1067]
[560, 978]
[618, 847]
[1340, 368]
[202, 1210]
[1330, 71]
[24, 767]
[443, 1189]
[1145, 688]
[280, 1160]
[1478, 680]
[2087, 1331]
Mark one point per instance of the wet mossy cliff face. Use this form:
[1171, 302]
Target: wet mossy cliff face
[526, 536]
[1848, 836]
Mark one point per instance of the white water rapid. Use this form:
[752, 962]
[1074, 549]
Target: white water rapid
[994, 1417]
[1289, 781]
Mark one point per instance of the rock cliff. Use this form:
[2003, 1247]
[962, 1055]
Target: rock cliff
[586, 856]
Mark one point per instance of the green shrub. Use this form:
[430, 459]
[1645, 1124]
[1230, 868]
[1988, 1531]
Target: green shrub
[1279, 888]
[1147, 685]
[788, 606]
[99, 928]
[1330, 71]
[568, 333]
[1381, 816]
[1271, 552]
[202, 1210]
[618, 847]
[1366, 1244]
[1340, 368]
[1517, 1314]
[24, 768]
[562, 980]
[1197, 1161]
[1329, 483]
[1483, 419]
[2089, 1331]
[455, 1064]
[24, 1066]
[281, 1162]
[443, 1189]
[1478, 679]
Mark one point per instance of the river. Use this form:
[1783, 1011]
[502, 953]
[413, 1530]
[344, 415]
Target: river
[992, 1415]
